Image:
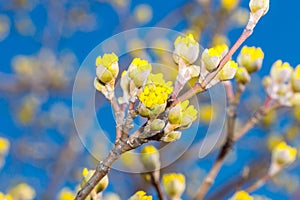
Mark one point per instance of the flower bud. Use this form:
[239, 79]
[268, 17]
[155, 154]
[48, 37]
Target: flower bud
[140, 195]
[182, 115]
[242, 75]
[186, 48]
[281, 72]
[257, 5]
[241, 195]
[22, 191]
[150, 158]
[229, 5]
[174, 185]
[296, 79]
[107, 67]
[157, 125]
[212, 57]
[171, 137]
[283, 154]
[228, 71]
[139, 71]
[251, 58]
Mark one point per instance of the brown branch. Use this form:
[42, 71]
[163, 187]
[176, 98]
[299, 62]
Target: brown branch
[257, 184]
[231, 114]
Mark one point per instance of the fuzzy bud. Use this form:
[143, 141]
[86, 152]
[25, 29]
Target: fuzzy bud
[150, 158]
[186, 48]
[242, 75]
[251, 58]
[174, 185]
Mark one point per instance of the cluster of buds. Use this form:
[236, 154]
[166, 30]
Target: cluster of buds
[153, 96]
[134, 79]
[107, 69]
[102, 185]
[282, 155]
[210, 60]
[283, 84]
[250, 60]
[180, 117]
[174, 185]
[140, 195]
[241, 195]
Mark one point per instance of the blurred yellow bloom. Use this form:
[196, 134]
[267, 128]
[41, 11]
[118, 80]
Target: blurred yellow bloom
[4, 146]
[150, 158]
[281, 71]
[66, 194]
[251, 58]
[22, 191]
[5, 196]
[229, 4]
[283, 154]
[140, 195]
[241, 195]
[174, 185]
[292, 132]
[273, 141]
[143, 13]
[207, 113]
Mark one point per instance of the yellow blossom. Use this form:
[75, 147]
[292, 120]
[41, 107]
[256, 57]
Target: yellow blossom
[22, 191]
[140, 195]
[156, 91]
[283, 154]
[139, 71]
[229, 4]
[242, 75]
[251, 58]
[207, 113]
[66, 194]
[174, 184]
[241, 195]
[281, 71]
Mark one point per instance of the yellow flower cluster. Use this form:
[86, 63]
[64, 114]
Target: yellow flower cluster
[140, 195]
[156, 91]
[241, 195]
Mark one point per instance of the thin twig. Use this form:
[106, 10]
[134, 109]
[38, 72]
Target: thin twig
[157, 186]
[257, 184]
